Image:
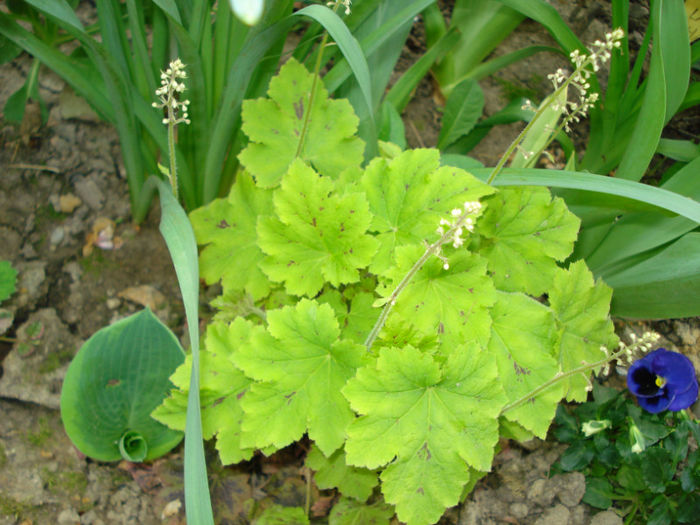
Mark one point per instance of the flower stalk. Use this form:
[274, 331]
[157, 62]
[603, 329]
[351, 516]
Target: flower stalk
[573, 111]
[463, 220]
[171, 85]
[644, 344]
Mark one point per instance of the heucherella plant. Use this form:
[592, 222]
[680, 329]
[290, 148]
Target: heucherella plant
[404, 315]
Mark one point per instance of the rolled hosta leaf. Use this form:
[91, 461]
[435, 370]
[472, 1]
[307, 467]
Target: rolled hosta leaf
[524, 232]
[113, 384]
[300, 364]
[226, 228]
[318, 234]
[427, 422]
[276, 125]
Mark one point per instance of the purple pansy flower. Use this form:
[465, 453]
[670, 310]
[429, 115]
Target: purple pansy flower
[663, 380]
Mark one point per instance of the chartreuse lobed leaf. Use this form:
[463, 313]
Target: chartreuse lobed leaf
[523, 233]
[523, 339]
[275, 127]
[352, 512]
[356, 316]
[581, 309]
[409, 194]
[319, 235]
[222, 385]
[300, 364]
[279, 515]
[334, 472]
[428, 422]
[227, 229]
[452, 302]
[113, 384]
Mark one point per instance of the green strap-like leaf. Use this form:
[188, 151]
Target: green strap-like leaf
[597, 183]
[179, 237]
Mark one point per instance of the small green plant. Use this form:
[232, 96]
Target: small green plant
[644, 466]
[8, 280]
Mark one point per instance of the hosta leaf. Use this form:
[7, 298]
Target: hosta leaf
[524, 231]
[408, 195]
[301, 365]
[227, 229]
[319, 237]
[274, 127]
[333, 472]
[351, 512]
[581, 308]
[222, 385]
[429, 423]
[523, 338]
[452, 302]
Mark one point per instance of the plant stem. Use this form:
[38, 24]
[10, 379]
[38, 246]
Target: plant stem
[312, 95]
[430, 250]
[171, 153]
[558, 377]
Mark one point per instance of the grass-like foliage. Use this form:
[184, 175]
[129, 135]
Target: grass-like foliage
[646, 466]
[362, 308]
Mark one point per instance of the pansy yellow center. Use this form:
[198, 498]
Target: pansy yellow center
[660, 381]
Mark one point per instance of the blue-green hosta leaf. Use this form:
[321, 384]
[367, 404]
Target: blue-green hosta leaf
[318, 235]
[524, 232]
[351, 512]
[452, 302]
[300, 364]
[409, 194]
[581, 308]
[226, 228]
[334, 472]
[113, 384]
[222, 385]
[429, 423]
[523, 339]
[274, 127]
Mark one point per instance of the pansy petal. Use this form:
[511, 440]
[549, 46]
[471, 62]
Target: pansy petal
[641, 378]
[675, 368]
[655, 404]
[685, 399]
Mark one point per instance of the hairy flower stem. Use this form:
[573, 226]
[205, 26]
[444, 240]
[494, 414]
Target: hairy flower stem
[583, 369]
[172, 172]
[430, 250]
[312, 95]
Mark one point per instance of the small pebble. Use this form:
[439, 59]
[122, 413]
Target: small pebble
[57, 235]
[113, 303]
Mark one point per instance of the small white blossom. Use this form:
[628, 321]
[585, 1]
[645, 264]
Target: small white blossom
[171, 85]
